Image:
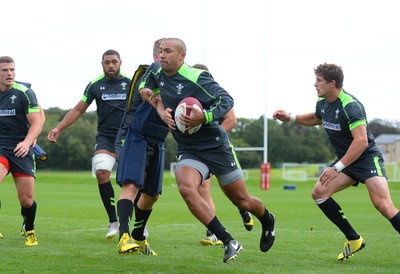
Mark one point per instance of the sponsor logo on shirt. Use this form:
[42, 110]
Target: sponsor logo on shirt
[113, 96]
[7, 112]
[331, 126]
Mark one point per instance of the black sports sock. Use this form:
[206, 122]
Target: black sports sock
[266, 219]
[124, 208]
[29, 216]
[395, 221]
[137, 198]
[108, 197]
[334, 212]
[141, 217]
[219, 230]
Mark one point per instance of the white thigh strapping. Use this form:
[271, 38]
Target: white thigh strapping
[103, 161]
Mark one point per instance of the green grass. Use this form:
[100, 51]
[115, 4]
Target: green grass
[71, 224]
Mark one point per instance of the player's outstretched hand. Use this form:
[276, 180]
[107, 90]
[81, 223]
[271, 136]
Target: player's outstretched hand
[281, 115]
[53, 135]
[147, 96]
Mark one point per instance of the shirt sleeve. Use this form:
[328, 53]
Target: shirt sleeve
[149, 79]
[220, 101]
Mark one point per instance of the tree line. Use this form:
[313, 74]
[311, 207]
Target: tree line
[286, 143]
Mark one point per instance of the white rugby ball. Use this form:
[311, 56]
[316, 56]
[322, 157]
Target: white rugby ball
[182, 108]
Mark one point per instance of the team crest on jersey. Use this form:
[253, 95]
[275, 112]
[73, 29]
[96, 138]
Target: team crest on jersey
[123, 85]
[13, 99]
[179, 88]
[113, 96]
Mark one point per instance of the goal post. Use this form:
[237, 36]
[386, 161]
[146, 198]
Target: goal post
[392, 171]
[302, 172]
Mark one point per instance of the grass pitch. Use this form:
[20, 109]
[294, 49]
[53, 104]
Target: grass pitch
[71, 225]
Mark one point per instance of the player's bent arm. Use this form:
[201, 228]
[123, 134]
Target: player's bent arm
[358, 145]
[165, 114]
[36, 125]
[43, 119]
[146, 95]
[229, 121]
[68, 120]
[73, 115]
[307, 119]
[42, 115]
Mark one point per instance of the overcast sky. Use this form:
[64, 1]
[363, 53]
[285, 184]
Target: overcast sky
[262, 52]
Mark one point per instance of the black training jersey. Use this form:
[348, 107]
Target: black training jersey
[192, 82]
[15, 104]
[339, 118]
[110, 96]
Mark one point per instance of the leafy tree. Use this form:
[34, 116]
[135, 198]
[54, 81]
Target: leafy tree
[286, 142]
[378, 127]
[75, 146]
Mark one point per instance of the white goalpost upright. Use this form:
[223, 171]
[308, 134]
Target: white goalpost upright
[392, 171]
[302, 172]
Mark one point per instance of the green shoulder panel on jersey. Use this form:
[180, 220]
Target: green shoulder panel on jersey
[142, 83]
[190, 73]
[24, 89]
[193, 74]
[347, 99]
[101, 76]
[98, 78]
[20, 87]
[125, 75]
[138, 73]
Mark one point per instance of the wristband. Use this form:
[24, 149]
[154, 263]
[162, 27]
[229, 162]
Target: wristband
[292, 118]
[57, 129]
[338, 166]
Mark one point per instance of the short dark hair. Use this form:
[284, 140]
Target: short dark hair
[179, 43]
[200, 66]
[156, 46]
[110, 52]
[331, 72]
[6, 59]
